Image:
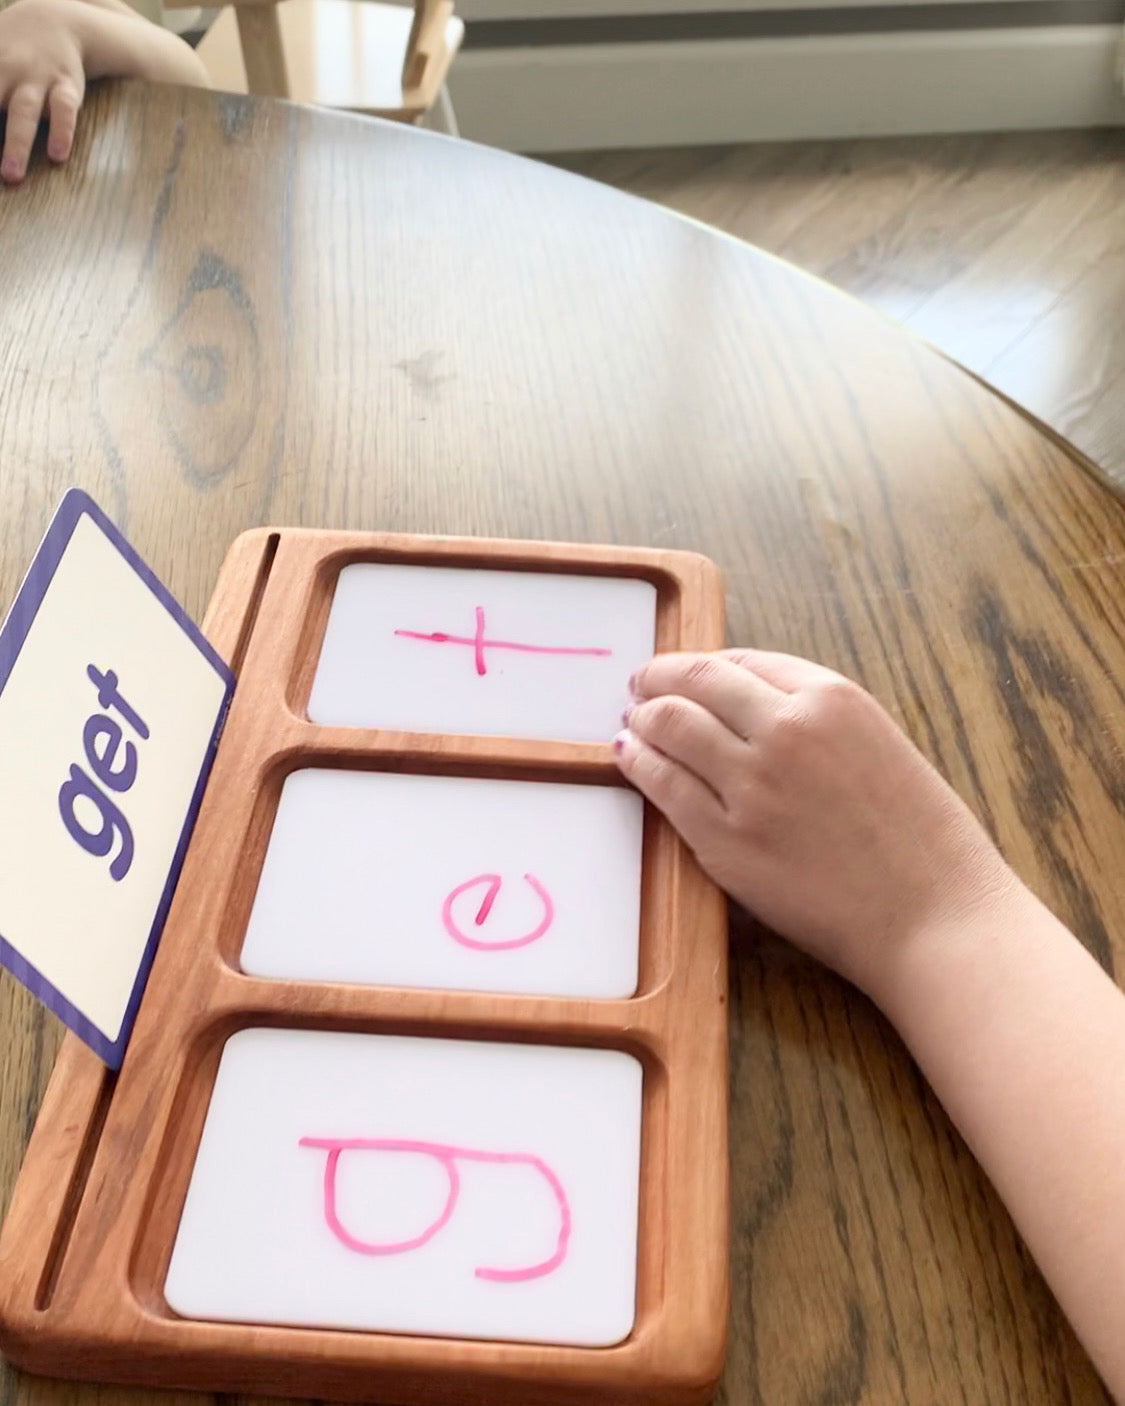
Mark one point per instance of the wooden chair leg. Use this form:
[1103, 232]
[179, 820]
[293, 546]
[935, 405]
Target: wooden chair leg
[448, 118]
[259, 30]
[441, 117]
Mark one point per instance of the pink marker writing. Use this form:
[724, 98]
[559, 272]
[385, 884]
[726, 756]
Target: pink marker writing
[494, 881]
[448, 1157]
[479, 643]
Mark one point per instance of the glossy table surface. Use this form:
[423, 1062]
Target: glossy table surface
[226, 313]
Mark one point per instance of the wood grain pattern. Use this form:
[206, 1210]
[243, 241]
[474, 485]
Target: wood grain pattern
[1005, 251]
[84, 1254]
[227, 312]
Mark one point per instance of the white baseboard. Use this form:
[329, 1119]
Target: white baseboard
[473, 10]
[586, 97]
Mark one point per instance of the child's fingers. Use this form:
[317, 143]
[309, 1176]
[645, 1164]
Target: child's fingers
[25, 107]
[683, 798]
[63, 102]
[739, 698]
[684, 732]
[788, 672]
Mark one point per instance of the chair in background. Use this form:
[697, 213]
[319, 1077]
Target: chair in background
[384, 59]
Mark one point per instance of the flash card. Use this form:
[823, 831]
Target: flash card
[111, 705]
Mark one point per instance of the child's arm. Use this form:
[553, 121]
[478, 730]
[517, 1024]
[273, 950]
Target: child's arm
[48, 49]
[121, 7]
[802, 798]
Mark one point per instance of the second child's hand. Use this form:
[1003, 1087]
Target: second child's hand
[41, 74]
[48, 51]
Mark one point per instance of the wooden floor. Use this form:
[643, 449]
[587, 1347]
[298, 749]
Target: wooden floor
[1006, 251]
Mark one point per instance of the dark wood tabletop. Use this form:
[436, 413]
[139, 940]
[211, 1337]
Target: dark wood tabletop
[226, 312]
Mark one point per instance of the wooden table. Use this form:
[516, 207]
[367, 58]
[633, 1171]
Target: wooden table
[227, 313]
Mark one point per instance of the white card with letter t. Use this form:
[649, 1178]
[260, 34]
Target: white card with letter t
[111, 705]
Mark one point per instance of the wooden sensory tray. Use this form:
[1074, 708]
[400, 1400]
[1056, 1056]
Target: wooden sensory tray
[89, 1233]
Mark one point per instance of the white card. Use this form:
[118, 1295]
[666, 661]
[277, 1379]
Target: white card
[453, 882]
[521, 653]
[111, 704]
[443, 1187]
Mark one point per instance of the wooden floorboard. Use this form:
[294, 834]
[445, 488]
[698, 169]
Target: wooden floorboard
[1006, 251]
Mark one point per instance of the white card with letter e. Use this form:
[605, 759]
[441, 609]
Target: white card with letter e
[111, 705]
[412, 1185]
[458, 882]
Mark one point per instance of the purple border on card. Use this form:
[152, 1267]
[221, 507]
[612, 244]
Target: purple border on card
[13, 634]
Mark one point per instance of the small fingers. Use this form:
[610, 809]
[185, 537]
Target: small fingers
[738, 697]
[25, 108]
[787, 672]
[686, 733]
[63, 103]
[689, 804]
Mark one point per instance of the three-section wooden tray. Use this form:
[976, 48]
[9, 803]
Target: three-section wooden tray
[91, 1226]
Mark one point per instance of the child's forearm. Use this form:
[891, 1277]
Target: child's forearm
[120, 6]
[1022, 1037]
[124, 45]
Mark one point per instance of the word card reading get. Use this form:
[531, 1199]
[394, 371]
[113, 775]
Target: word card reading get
[447, 649]
[465, 883]
[412, 1185]
[111, 703]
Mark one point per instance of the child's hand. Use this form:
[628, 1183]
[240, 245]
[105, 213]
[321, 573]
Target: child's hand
[49, 48]
[41, 75]
[801, 797]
